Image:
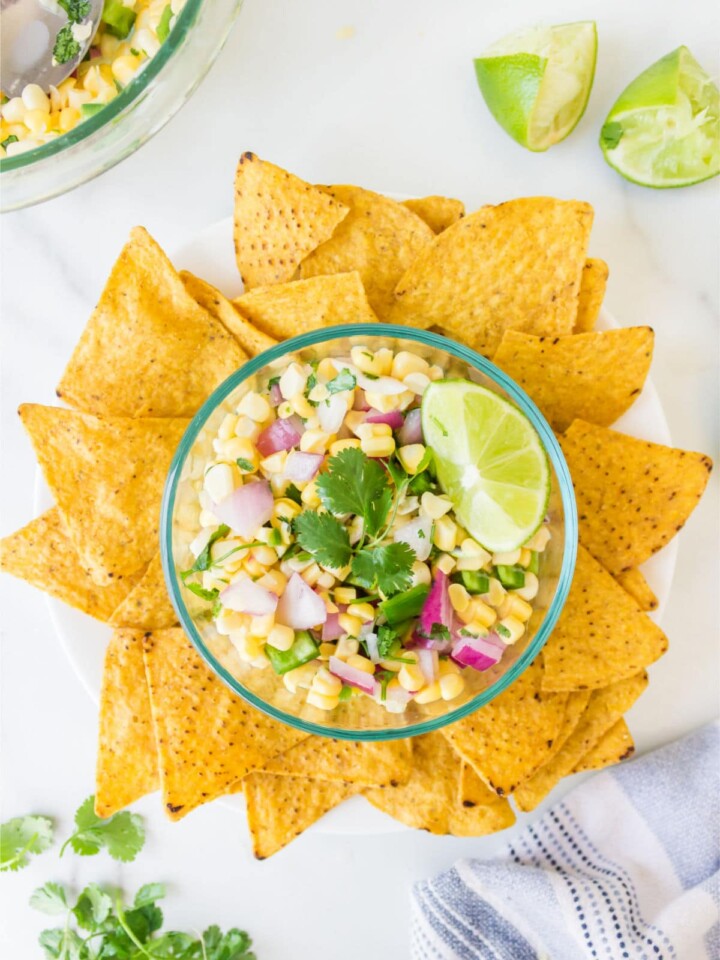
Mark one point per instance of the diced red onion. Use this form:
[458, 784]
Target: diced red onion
[386, 386]
[353, 677]
[246, 509]
[331, 629]
[302, 467]
[331, 412]
[276, 397]
[429, 664]
[371, 642]
[245, 596]
[360, 402]
[480, 653]
[436, 609]
[394, 419]
[416, 535]
[282, 434]
[411, 430]
[300, 607]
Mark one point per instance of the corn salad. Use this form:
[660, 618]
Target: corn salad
[129, 35]
[328, 551]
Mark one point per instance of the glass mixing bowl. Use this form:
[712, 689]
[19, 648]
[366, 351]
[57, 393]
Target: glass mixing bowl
[128, 121]
[360, 718]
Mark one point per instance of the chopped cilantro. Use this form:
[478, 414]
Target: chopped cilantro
[201, 592]
[388, 567]
[438, 631]
[134, 52]
[324, 537]
[397, 472]
[273, 381]
[163, 29]
[502, 631]
[22, 836]
[387, 638]
[66, 46]
[356, 484]
[245, 464]
[384, 676]
[345, 380]
[8, 140]
[421, 534]
[76, 10]
[202, 561]
[292, 493]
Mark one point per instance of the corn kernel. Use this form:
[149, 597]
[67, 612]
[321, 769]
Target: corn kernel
[326, 580]
[273, 580]
[350, 624]
[436, 373]
[354, 420]
[361, 663]
[326, 683]
[261, 626]
[240, 448]
[512, 630]
[446, 667]
[245, 427]
[69, 118]
[459, 597]
[124, 69]
[434, 506]
[253, 568]
[254, 406]
[301, 677]
[507, 558]
[227, 426]
[293, 381]
[530, 590]
[384, 403]
[35, 98]
[344, 594]
[315, 441]
[14, 110]
[410, 677]
[417, 383]
[265, 556]
[496, 592]
[355, 530]
[285, 508]
[310, 574]
[410, 456]
[445, 534]
[318, 393]
[309, 496]
[228, 621]
[539, 539]
[219, 482]
[378, 446]
[347, 647]
[285, 410]
[326, 370]
[525, 557]
[514, 606]
[322, 702]
[37, 121]
[327, 650]
[445, 563]
[368, 430]
[247, 647]
[302, 407]
[420, 573]
[406, 363]
[451, 686]
[430, 693]
[363, 611]
[482, 613]
[275, 463]
[337, 445]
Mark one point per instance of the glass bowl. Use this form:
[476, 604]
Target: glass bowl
[359, 718]
[143, 107]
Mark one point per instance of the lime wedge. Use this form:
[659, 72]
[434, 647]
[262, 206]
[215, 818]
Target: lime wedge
[537, 82]
[664, 130]
[489, 460]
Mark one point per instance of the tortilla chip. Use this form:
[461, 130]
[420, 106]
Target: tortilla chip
[148, 350]
[148, 605]
[439, 213]
[591, 376]
[509, 738]
[380, 238]
[605, 708]
[616, 745]
[602, 634]
[279, 219]
[288, 309]
[592, 293]
[345, 761]
[252, 340]
[430, 801]
[43, 554]
[208, 738]
[281, 808]
[634, 583]
[516, 266]
[127, 760]
[107, 477]
[633, 496]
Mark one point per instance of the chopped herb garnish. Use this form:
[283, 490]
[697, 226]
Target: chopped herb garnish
[292, 493]
[503, 631]
[22, 836]
[356, 484]
[384, 676]
[122, 835]
[76, 10]
[66, 46]
[202, 561]
[345, 380]
[421, 534]
[8, 140]
[245, 464]
[202, 592]
[324, 537]
[134, 52]
[438, 631]
[163, 27]
[389, 567]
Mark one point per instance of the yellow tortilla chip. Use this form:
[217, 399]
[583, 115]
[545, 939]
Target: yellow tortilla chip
[345, 761]
[252, 340]
[632, 496]
[107, 477]
[616, 745]
[439, 213]
[208, 738]
[380, 238]
[127, 761]
[509, 738]
[634, 583]
[516, 266]
[43, 554]
[288, 309]
[279, 809]
[592, 293]
[605, 708]
[279, 219]
[147, 606]
[602, 634]
[148, 350]
[591, 376]
[430, 800]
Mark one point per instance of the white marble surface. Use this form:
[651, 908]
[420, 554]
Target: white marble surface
[394, 107]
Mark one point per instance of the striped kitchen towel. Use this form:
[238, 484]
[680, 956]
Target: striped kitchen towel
[626, 866]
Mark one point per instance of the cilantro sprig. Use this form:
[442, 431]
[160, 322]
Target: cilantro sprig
[21, 837]
[358, 485]
[122, 835]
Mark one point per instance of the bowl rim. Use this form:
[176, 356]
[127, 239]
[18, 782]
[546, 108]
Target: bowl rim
[137, 86]
[427, 338]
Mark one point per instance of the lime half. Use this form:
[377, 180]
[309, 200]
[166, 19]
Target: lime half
[664, 130]
[537, 82]
[489, 460]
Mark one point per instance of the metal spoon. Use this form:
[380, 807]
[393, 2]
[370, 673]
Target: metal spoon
[29, 31]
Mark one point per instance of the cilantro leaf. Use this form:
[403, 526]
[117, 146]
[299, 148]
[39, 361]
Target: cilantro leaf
[388, 567]
[202, 561]
[343, 381]
[122, 835]
[149, 894]
[502, 631]
[66, 46]
[324, 537]
[63, 944]
[356, 484]
[8, 140]
[292, 493]
[76, 10]
[201, 592]
[22, 836]
[387, 638]
[49, 899]
[397, 472]
[245, 464]
[93, 907]
[438, 631]
[233, 945]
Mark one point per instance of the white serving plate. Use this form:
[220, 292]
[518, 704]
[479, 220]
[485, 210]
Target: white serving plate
[210, 255]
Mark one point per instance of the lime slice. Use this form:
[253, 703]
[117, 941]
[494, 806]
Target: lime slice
[489, 460]
[664, 130]
[537, 82]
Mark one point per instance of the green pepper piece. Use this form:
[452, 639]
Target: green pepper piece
[163, 27]
[405, 605]
[534, 565]
[118, 18]
[473, 581]
[90, 109]
[511, 577]
[274, 538]
[420, 483]
[345, 693]
[303, 650]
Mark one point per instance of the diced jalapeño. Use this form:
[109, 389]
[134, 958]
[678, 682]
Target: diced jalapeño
[303, 650]
[118, 18]
[473, 580]
[512, 578]
[534, 565]
[90, 109]
[405, 605]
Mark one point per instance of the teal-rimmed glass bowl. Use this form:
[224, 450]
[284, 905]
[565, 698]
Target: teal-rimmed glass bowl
[360, 718]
